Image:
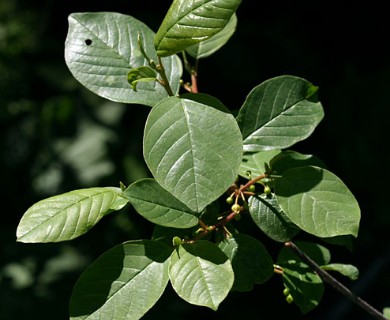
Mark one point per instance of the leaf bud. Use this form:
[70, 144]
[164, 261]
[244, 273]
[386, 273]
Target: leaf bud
[176, 241]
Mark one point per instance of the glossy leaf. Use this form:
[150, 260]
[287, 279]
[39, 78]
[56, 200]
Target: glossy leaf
[304, 285]
[158, 205]
[318, 202]
[250, 260]
[102, 47]
[201, 274]
[289, 159]
[208, 47]
[270, 218]
[347, 270]
[278, 113]
[190, 22]
[124, 283]
[316, 252]
[255, 164]
[69, 215]
[193, 150]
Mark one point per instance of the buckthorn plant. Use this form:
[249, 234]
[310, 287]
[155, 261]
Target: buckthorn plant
[211, 168]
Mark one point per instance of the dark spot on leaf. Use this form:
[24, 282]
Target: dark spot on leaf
[88, 42]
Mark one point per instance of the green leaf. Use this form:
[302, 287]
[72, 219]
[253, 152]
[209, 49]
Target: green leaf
[316, 252]
[256, 163]
[304, 285]
[270, 218]
[207, 100]
[193, 150]
[201, 274]
[250, 260]
[158, 205]
[124, 283]
[102, 47]
[166, 234]
[347, 270]
[208, 47]
[190, 22]
[69, 215]
[386, 312]
[277, 114]
[289, 159]
[141, 74]
[318, 202]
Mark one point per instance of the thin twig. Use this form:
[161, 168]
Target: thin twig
[326, 277]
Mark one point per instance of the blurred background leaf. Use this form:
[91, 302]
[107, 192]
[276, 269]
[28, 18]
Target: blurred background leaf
[55, 136]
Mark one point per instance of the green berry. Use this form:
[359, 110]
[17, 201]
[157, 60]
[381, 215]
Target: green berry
[267, 190]
[236, 208]
[229, 200]
[289, 298]
[252, 188]
[286, 292]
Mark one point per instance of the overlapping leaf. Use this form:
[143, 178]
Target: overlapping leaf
[69, 215]
[255, 164]
[124, 283]
[190, 22]
[102, 47]
[193, 150]
[305, 286]
[270, 218]
[201, 273]
[250, 260]
[208, 47]
[318, 202]
[278, 113]
[158, 205]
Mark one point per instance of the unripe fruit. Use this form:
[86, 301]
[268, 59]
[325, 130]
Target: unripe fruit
[289, 298]
[286, 292]
[252, 188]
[229, 200]
[236, 208]
[267, 190]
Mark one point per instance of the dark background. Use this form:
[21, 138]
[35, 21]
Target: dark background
[55, 136]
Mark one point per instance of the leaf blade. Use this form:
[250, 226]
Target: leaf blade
[277, 114]
[208, 47]
[102, 47]
[69, 215]
[318, 202]
[113, 286]
[190, 22]
[193, 150]
[250, 261]
[201, 274]
[159, 206]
